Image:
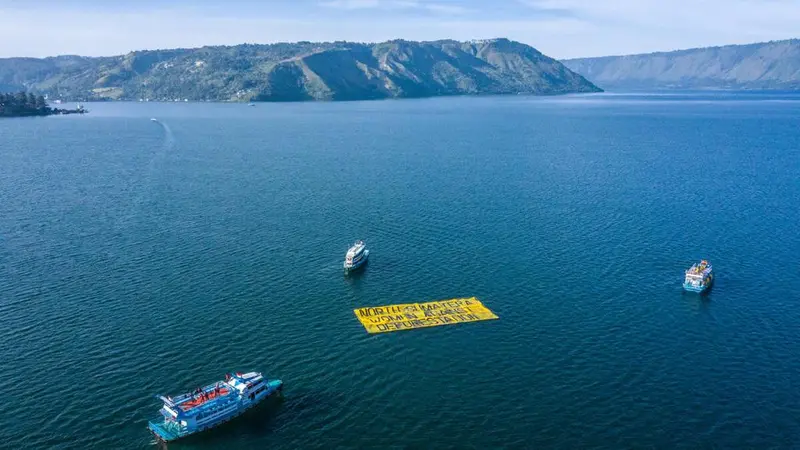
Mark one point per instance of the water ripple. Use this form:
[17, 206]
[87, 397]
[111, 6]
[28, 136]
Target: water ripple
[138, 260]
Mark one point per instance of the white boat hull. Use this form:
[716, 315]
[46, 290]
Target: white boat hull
[358, 264]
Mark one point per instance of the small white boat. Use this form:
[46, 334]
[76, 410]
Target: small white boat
[356, 256]
[699, 277]
[153, 119]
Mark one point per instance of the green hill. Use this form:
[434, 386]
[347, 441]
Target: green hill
[298, 71]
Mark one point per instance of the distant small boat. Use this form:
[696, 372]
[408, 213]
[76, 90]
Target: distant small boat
[699, 277]
[153, 119]
[251, 104]
[356, 256]
[211, 405]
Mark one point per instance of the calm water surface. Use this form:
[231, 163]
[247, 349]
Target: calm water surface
[139, 258]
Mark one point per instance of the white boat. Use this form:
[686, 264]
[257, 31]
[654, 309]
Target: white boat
[153, 119]
[356, 256]
[699, 277]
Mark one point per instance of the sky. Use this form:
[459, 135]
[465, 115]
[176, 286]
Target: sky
[558, 28]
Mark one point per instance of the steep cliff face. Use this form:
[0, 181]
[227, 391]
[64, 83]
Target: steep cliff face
[300, 71]
[771, 65]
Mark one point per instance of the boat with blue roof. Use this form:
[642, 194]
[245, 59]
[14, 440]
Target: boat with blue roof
[699, 277]
[212, 405]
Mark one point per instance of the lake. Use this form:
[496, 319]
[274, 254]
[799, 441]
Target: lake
[141, 258]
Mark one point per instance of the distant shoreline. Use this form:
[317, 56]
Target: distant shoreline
[24, 104]
[49, 112]
[720, 93]
[330, 101]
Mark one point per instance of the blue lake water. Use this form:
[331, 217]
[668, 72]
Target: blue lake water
[139, 258]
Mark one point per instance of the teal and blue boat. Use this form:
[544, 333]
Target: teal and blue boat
[212, 405]
[699, 277]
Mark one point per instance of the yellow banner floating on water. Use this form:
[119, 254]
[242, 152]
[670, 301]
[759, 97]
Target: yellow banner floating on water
[383, 319]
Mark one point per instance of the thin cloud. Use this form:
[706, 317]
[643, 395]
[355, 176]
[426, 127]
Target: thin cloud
[580, 28]
[545, 8]
[434, 7]
[351, 4]
[724, 15]
[446, 9]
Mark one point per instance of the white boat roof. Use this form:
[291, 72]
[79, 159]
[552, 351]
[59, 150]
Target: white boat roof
[357, 247]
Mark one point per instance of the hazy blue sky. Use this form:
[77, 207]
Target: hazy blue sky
[559, 28]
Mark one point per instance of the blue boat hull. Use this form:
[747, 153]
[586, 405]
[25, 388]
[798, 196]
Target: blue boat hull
[166, 433]
[699, 289]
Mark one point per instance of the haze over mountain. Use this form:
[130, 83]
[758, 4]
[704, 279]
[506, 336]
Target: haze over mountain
[769, 65]
[299, 71]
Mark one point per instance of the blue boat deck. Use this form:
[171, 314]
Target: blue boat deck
[166, 432]
[690, 288]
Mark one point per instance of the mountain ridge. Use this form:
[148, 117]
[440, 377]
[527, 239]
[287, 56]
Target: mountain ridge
[761, 65]
[299, 71]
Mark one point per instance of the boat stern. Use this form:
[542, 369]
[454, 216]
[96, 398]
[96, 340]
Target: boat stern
[275, 387]
[698, 287]
[350, 266]
[693, 288]
[697, 280]
[162, 432]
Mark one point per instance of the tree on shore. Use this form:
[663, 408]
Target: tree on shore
[41, 102]
[22, 104]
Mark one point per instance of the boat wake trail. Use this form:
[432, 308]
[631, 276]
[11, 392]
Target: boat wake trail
[169, 138]
[149, 175]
